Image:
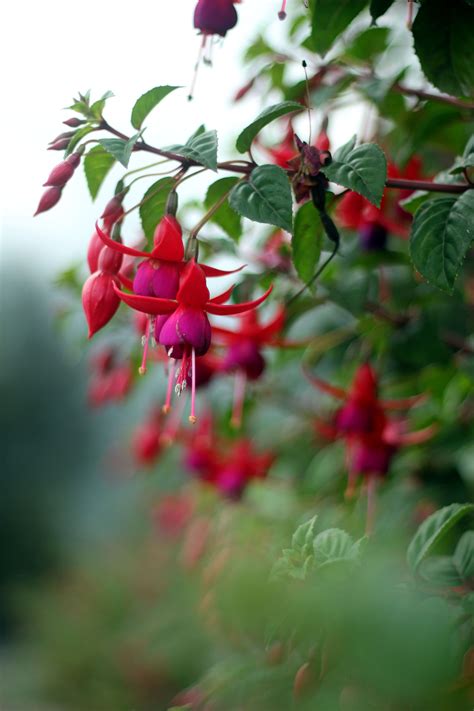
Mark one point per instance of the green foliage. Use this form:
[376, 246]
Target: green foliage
[434, 530]
[363, 169]
[147, 102]
[265, 197]
[245, 138]
[120, 149]
[330, 19]
[442, 32]
[306, 241]
[97, 164]
[225, 217]
[153, 205]
[201, 147]
[442, 233]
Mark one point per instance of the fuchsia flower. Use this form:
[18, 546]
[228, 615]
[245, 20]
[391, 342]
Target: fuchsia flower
[146, 440]
[215, 17]
[159, 273]
[227, 466]
[183, 326]
[374, 224]
[111, 379]
[371, 438]
[244, 352]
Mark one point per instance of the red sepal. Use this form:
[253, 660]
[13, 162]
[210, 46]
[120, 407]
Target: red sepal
[213, 272]
[234, 309]
[147, 304]
[119, 246]
[222, 298]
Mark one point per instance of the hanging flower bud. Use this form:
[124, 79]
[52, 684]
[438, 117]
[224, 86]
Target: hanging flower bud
[113, 211]
[93, 251]
[48, 200]
[65, 134]
[60, 175]
[99, 300]
[73, 122]
[75, 158]
[60, 145]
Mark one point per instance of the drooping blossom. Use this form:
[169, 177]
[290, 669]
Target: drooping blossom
[227, 466]
[183, 327]
[159, 273]
[215, 17]
[371, 437]
[374, 224]
[111, 378]
[244, 352]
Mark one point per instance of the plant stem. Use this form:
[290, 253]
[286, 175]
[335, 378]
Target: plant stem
[428, 96]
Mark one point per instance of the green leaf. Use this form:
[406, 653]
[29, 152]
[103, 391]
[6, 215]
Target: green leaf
[77, 138]
[147, 103]
[343, 151]
[244, 141]
[464, 555]
[97, 164]
[363, 169]
[379, 7]
[121, 150]
[304, 534]
[265, 197]
[442, 32]
[433, 530]
[330, 19]
[225, 216]
[442, 232]
[440, 570]
[368, 44]
[97, 107]
[306, 241]
[466, 160]
[334, 545]
[201, 147]
[153, 205]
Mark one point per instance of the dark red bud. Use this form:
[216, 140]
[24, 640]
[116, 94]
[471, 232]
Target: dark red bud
[244, 90]
[48, 200]
[73, 122]
[60, 175]
[65, 134]
[110, 260]
[93, 251]
[74, 159]
[99, 300]
[60, 145]
[302, 680]
[113, 211]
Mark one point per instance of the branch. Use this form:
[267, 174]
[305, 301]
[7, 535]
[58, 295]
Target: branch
[428, 96]
[246, 167]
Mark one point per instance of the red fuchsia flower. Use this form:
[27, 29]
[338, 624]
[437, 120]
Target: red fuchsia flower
[183, 327]
[159, 273]
[111, 379]
[374, 224]
[146, 440]
[215, 17]
[276, 252]
[371, 438]
[244, 352]
[227, 466]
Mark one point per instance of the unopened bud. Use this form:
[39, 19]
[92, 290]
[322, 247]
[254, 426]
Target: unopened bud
[74, 159]
[109, 260]
[65, 134]
[48, 200]
[60, 175]
[60, 145]
[113, 211]
[99, 300]
[73, 122]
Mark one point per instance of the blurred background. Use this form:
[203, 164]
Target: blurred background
[103, 605]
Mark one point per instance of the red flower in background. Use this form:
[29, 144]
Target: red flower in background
[227, 466]
[371, 438]
[111, 378]
[375, 224]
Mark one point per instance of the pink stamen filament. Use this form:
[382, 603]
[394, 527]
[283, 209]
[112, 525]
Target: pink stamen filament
[182, 374]
[282, 13]
[240, 383]
[173, 422]
[196, 67]
[410, 14]
[169, 391]
[145, 340]
[192, 416]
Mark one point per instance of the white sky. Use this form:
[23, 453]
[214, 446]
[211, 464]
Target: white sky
[54, 49]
